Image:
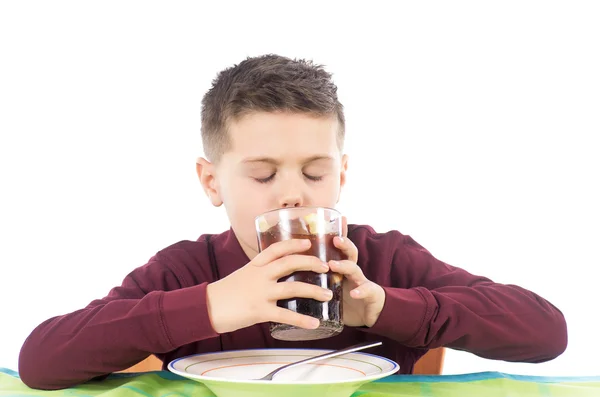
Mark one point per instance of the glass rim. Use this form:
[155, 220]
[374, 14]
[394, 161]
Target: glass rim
[308, 207]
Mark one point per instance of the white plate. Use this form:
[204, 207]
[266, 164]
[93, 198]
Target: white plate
[233, 373]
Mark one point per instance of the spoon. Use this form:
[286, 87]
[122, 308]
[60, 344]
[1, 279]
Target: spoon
[335, 353]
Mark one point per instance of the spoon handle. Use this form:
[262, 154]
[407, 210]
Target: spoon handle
[335, 353]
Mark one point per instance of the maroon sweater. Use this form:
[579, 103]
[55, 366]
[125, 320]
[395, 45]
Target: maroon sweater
[161, 309]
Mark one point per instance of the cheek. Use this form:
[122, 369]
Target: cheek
[244, 201]
[242, 215]
[238, 190]
[328, 192]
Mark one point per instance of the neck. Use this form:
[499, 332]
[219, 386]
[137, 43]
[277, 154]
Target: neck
[250, 252]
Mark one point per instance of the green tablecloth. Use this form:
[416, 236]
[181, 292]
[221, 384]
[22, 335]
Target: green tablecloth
[166, 384]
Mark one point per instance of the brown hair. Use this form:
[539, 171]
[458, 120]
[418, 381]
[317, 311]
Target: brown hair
[268, 83]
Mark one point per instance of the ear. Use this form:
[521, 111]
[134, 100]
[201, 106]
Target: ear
[343, 169]
[207, 175]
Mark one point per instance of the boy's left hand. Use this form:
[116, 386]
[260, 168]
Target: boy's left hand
[363, 299]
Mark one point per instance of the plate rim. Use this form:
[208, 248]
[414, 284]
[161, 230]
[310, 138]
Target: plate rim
[170, 367]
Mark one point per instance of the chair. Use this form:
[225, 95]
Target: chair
[151, 363]
[430, 364]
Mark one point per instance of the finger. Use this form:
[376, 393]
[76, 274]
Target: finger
[344, 226]
[295, 263]
[281, 249]
[350, 270]
[298, 289]
[368, 291]
[347, 247]
[285, 316]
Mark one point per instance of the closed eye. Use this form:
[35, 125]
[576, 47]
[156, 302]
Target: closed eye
[272, 176]
[313, 178]
[265, 180]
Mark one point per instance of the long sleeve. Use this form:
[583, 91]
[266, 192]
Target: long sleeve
[430, 304]
[155, 310]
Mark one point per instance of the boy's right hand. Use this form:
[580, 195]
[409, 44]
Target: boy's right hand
[249, 295]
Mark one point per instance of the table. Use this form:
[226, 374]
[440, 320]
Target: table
[166, 384]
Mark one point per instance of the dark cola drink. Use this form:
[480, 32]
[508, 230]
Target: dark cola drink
[320, 226]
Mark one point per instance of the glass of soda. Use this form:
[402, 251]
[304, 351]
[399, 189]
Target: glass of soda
[319, 225]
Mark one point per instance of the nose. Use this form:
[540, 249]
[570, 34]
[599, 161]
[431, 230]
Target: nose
[291, 196]
[289, 201]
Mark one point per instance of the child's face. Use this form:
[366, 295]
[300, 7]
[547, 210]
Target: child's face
[277, 160]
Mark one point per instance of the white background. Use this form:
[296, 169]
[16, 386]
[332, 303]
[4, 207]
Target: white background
[471, 126]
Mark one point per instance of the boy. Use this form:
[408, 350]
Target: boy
[273, 132]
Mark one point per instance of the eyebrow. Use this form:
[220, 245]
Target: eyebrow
[273, 161]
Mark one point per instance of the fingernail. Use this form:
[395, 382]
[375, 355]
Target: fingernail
[356, 292]
[327, 293]
[325, 266]
[341, 239]
[305, 242]
[335, 263]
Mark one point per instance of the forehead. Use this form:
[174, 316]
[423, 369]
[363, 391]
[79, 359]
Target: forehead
[283, 136]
